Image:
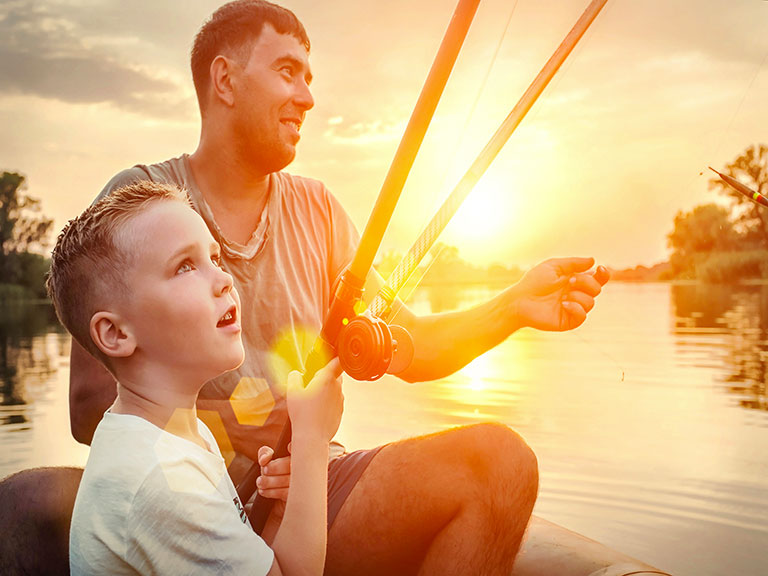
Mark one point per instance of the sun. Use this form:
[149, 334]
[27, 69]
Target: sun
[489, 215]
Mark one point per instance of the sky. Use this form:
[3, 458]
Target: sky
[656, 91]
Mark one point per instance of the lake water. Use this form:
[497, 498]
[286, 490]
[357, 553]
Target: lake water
[650, 422]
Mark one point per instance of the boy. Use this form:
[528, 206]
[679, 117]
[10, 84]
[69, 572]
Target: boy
[137, 282]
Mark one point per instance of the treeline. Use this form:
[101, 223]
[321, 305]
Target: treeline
[444, 266]
[24, 238]
[716, 243]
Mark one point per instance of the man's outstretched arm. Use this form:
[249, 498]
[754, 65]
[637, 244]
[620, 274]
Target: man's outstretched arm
[556, 295]
[92, 390]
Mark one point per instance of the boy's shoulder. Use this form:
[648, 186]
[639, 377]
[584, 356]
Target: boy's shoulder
[123, 454]
[128, 449]
[141, 481]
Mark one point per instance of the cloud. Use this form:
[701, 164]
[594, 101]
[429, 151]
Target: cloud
[362, 133]
[45, 54]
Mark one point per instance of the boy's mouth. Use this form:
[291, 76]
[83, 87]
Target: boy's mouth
[229, 318]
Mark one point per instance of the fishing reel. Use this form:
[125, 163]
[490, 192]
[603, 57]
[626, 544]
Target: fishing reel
[368, 348]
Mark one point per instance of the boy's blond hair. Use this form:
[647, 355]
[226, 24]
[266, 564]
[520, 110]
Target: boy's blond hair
[87, 267]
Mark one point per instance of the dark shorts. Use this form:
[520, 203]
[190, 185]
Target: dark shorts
[343, 473]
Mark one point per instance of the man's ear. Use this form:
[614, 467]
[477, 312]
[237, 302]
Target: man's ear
[221, 79]
[111, 336]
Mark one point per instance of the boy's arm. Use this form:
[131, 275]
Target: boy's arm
[315, 412]
[91, 391]
[300, 542]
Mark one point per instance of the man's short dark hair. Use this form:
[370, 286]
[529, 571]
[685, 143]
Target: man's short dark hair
[232, 29]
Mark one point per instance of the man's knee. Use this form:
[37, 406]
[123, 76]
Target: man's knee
[35, 513]
[494, 453]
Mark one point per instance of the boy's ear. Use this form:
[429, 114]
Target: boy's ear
[221, 79]
[111, 336]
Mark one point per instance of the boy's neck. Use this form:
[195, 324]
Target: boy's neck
[168, 409]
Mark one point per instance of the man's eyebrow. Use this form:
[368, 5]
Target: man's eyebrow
[296, 63]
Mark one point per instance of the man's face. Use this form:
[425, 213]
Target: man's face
[183, 310]
[271, 98]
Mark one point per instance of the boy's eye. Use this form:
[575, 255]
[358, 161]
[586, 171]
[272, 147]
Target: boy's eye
[185, 266]
[216, 259]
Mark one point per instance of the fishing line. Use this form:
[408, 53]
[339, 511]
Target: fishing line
[478, 96]
[563, 73]
[399, 303]
[397, 306]
[484, 82]
[553, 90]
[604, 353]
[741, 102]
[719, 144]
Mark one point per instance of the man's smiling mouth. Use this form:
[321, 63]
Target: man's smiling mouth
[292, 123]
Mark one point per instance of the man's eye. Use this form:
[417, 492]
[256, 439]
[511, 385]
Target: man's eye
[287, 71]
[185, 266]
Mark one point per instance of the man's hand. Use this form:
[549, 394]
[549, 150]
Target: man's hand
[275, 476]
[275, 479]
[557, 294]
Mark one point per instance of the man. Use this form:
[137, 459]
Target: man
[451, 503]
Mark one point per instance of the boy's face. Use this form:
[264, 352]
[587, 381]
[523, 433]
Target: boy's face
[183, 310]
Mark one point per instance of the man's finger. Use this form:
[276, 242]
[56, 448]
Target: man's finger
[273, 482]
[576, 314]
[566, 266]
[278, 466]
[586, 283]
[602, 275]
[276, 494]
[265, 455]
[584, 300]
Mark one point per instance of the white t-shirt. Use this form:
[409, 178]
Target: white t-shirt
[151, 502]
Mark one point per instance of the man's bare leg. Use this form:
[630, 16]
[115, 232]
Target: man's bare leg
[35, 513]
[455, 502]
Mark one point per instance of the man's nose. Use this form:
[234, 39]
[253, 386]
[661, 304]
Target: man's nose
[303, 96]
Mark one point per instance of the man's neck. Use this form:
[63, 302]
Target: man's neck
[234, 190]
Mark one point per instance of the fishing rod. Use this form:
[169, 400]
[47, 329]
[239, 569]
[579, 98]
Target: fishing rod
[739, 187]
[350, 288]
[381, 306]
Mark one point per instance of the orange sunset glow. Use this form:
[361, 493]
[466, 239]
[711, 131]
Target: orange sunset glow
[505, 405]
[656, 91]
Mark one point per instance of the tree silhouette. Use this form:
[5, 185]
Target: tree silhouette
[23, 229]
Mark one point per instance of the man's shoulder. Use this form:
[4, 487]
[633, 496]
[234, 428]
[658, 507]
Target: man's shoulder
[293, 184]
[172, 171]
[301, 192]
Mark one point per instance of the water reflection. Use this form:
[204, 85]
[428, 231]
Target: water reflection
[740, 316]
[26, 361]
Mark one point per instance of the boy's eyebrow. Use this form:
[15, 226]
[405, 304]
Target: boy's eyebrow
[183, 251]
[297, 63]
[191, 247]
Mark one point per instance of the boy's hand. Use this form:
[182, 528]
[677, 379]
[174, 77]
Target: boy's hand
[316, 410]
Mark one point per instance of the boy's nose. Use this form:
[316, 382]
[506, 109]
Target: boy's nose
[224, 282]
